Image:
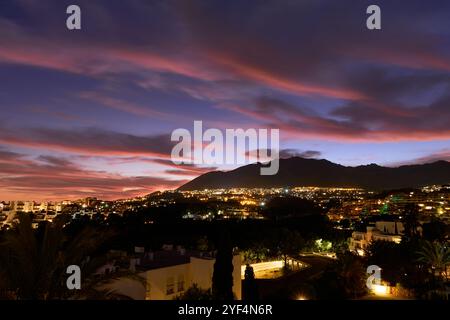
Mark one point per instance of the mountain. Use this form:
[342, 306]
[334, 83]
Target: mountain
[298, 171]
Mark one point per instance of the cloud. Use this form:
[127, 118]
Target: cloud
[311, 47]
[187, 169]
[309, 154]
[49, 177]
[440, 155]
[58, 115]
[283, 83]
[335, 60]
[8, 156]
[204, 46]
[355, 121]
[90, 141]
[308, 68]
[283, 154]
[399, 122]
[437, 156]
[121, 105]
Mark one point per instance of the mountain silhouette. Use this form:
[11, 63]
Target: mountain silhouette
[298, 171]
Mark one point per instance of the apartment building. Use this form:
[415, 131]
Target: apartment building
[381, 231]
[170, 272]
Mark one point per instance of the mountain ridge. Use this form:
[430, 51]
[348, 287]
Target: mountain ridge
[297, 171]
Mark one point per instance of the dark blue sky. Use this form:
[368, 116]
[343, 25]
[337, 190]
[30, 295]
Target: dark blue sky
[90, 112]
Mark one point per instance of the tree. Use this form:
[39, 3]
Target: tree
[435, 230]
[249, 273]
[33, 263]
[256, 253]
[352, 275]
[322, 245]
[222, 280]
[287, 243]
[345, 223]
[436, 257]
[391, 257]
[344, 279]
[290, 207]
[195, 293]
[203, 244]
[411, 215]
[250, 289]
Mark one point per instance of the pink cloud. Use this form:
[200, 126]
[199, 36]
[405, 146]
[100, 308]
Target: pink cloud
[357, 123]
[52, 178]
[283, 83]
[122, 105]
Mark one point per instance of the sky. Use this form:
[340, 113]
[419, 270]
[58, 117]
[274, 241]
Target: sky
[90, 112]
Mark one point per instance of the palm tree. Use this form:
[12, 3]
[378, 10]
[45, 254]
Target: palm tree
[33, 265]
[436, 257]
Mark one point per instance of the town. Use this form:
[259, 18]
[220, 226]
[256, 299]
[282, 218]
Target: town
[343, 206]
[279, 235]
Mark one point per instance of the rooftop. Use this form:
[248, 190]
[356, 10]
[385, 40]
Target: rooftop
[167, 258]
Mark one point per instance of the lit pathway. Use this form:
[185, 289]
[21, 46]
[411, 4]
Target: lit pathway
[285, 287]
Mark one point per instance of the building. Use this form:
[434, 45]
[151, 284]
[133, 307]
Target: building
[168, 273]
[33, 207]
[381, 231]
[43, 211]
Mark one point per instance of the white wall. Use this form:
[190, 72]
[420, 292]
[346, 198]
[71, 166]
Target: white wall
[198, 271]
[389, 226]
[237, 282]
[157, 281]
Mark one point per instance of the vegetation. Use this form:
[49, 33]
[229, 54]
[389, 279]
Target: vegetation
[435, 230]
[222, 280]
[195, 293]
[436, 257]
[411, 222]
[417, 264]
[249, 285]
[344, 279]
[290, 207]
[392, 258]
[33, 262]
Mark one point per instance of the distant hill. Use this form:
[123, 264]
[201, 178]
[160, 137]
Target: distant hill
[298, 171]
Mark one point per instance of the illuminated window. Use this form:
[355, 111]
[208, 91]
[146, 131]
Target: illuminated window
[170, 286]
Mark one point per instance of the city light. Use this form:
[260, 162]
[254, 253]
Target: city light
[380, 290]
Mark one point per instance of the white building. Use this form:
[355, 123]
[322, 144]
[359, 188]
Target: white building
[170, 272]
[43, 210]
[35, 207]
[381, 231]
